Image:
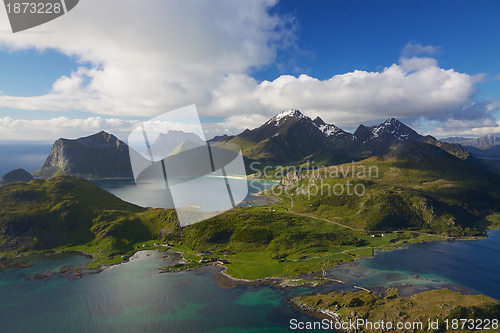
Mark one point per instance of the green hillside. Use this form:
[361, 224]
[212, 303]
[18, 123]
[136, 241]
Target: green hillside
[71, 212]
[66, 213]
[416, 187]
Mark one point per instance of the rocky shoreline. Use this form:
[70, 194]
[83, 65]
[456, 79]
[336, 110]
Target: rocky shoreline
[315, 312]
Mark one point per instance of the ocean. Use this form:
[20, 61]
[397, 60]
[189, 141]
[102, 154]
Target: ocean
[27, 155]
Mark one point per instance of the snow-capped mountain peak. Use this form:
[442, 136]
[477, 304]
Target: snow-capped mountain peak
[397, 129]
[285, 114]
[327, 129]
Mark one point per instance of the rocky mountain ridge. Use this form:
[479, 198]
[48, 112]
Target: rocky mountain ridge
[101, 155]
[287, 138]
[482, 143]
[290, 137]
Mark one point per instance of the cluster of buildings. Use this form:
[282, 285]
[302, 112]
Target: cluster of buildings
[216, 260]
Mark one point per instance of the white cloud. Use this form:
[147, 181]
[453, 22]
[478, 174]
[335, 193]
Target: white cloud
[416, 87]
[145, 58]
[63, 127]
[55, 128]
[475, 128]
[149, 57]
[242, 122]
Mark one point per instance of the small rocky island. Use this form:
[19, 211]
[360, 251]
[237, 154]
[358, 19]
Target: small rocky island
[17, 175]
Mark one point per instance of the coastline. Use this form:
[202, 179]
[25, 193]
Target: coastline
[276, 281]
[386, 294]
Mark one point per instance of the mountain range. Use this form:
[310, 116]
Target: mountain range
[165, 144]
[293, 138]
[482, 143]
[288, 138]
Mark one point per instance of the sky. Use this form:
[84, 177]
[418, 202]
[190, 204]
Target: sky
[110, 65]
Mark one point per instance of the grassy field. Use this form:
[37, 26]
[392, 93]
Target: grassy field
[271, 241]
[437, 306]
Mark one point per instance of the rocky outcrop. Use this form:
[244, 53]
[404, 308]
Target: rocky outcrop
[295, 301]
[290, 180]
[101, 155]
[18, 175]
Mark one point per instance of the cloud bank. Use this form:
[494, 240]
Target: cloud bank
[145, 58]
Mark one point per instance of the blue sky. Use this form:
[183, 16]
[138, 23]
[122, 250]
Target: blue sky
[336, 37]
[433, 65]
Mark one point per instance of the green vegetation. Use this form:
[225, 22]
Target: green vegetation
[269, 241]
[436, 305]
[441, 195]
[491, 222]
[309, 231]
[71, 214]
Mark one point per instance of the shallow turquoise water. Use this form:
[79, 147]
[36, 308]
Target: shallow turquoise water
[132, 297]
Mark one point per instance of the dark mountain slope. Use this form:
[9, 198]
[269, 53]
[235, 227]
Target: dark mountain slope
[452, 148]
[100, 155]
[289, 136]
[379, 140]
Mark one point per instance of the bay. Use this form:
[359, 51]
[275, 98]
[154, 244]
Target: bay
[127, 190]
[133, 297]
[473, 264]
